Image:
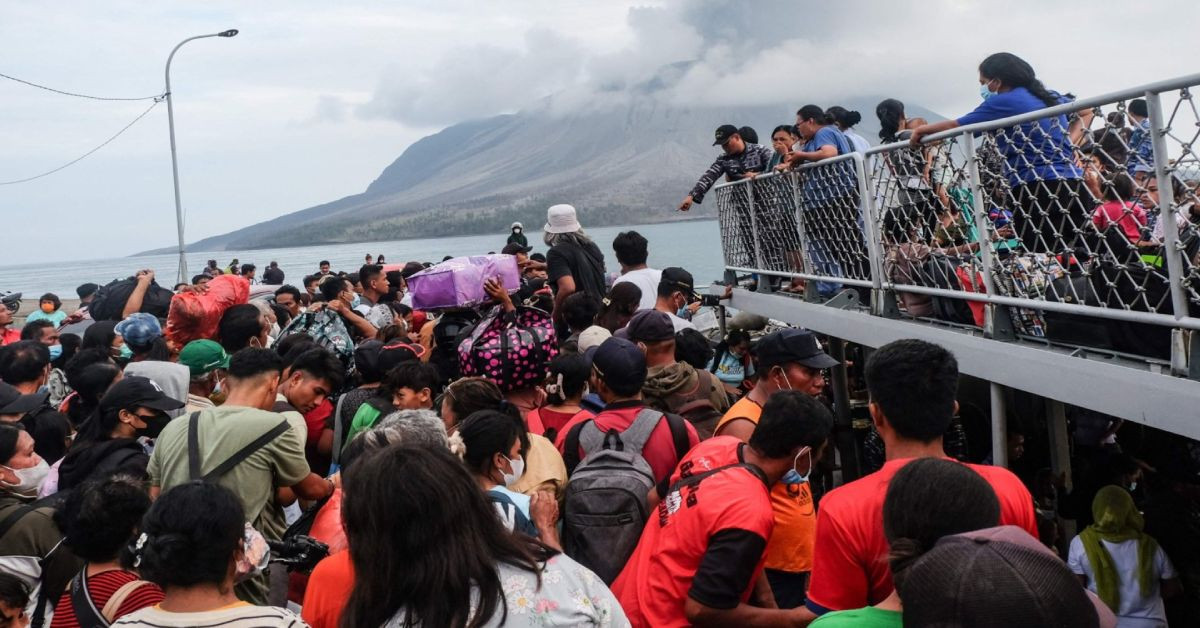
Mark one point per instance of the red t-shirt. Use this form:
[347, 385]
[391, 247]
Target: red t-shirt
[547, 422]
[659, 451]
[706, 541]
[850, 568]
[329, 587]
[9, 335]
[101, 587]
[1130, 217]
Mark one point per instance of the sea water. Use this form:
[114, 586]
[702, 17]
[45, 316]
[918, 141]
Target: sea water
[693, 245]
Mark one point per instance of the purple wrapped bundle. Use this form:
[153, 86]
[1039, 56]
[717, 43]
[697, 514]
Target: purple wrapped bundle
[458, 282]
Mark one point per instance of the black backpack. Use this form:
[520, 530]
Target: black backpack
[941, 271]
[109, 302]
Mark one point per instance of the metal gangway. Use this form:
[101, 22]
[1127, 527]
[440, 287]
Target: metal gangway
[968, 240]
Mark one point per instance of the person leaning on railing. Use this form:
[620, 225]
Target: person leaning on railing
[1053, 204]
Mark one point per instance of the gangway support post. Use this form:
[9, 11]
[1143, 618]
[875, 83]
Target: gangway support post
[1060, 446]
[843, 427]
[999, 426]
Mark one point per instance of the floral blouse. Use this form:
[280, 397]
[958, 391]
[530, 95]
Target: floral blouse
[570, 595]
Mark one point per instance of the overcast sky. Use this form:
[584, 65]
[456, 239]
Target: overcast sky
[313, 99]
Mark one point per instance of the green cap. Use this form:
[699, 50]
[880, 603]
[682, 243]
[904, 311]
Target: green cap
[202, 356]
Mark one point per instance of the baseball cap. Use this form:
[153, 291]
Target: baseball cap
[202, 356]
[396, 353]
[134, 391]
[512, 248]
[562, 219]
[723, 133]
[619, 363]
[792, 345]
[680, 279]
[140, 329]
[13, 402]
[86, 290]
[995, 577]
[648, 326]
[593, 336]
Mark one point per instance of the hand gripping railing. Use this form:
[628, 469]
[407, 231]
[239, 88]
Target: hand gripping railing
[1062, 223]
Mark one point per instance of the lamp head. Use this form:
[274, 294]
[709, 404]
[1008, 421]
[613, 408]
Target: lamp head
[229, 33]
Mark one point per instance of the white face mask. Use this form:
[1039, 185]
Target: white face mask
[28, 480]
[518, 469]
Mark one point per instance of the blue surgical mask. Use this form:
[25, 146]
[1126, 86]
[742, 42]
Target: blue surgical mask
[55, 352]
[126, 352]
[356, 302]
[793, 476]
[683, 312]
[984, 92]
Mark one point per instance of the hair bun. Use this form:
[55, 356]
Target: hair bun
[853, 118]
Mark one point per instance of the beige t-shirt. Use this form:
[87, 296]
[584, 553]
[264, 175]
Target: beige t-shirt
[236, 616]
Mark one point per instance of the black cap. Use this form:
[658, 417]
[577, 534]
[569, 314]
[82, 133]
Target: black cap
[395, 353]
[512, 248]
[679, 279]
[86, 290]
[724, 132]
[648, 326]
[134, 391]
[619, 363]
[13, 402]
[792, 345]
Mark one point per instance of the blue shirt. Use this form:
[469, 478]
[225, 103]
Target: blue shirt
[56, 317]
[832, 181]
[1141, 148]
[1038, 150]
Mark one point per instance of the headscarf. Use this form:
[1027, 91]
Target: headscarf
[1117, 520]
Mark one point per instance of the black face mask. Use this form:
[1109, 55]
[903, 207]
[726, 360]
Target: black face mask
[154, 426]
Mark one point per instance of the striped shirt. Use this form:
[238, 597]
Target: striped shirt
[240, 615]
[100, 588]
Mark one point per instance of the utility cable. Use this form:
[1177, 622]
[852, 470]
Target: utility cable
[83, 156]
[65, 93]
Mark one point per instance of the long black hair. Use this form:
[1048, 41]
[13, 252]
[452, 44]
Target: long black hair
[930, 498]
[432, 569]
[1014, 71]
[890, 112]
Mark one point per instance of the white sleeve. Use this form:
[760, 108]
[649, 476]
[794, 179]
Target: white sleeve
[1163, 566]
[1077, 558]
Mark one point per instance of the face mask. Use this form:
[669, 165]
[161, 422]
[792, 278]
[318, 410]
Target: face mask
[55, 352]
[984, 92]
[682, 312]
[786, 381]
[1132, 486]
[28, 480]
[125, 352]
[154, 426]
[356, 301]
[518, 469]
[48, 308]
[793, 476]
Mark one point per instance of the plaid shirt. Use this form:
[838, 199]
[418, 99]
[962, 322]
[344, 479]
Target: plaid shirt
[754, 159]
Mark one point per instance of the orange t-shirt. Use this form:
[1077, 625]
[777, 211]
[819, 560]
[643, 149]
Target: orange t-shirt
[329, 587]
[790, 548]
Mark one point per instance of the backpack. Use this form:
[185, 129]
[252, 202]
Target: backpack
[694, 405]
[604, 507]
[109, 302]
[31, 569]
[327, 330]
[943, 272]
[511, 350]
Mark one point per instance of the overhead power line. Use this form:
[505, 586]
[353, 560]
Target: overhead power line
[66, 93]
[83, 156]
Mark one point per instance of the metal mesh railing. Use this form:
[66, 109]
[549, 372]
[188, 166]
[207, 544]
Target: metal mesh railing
[1049, 221]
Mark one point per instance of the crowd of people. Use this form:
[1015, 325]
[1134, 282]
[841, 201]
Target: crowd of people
[572, 451]
[1072, 194]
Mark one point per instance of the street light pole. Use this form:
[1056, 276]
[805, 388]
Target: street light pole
[174, 158]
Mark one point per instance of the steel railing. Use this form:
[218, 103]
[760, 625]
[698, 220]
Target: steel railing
[1062, 223]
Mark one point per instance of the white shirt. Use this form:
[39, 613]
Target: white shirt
[857, 142]
[240, 616]
[647, 280]
[680, 323]
[1135, 611]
